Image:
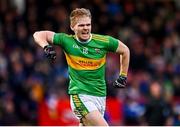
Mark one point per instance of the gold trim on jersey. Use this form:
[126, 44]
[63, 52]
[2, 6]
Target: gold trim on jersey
[100, 38]
[80, 63]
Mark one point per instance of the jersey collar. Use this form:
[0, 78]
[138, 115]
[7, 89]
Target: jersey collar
[84, 42]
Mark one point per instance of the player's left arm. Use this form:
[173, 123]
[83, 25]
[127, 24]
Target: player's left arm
[124, 52]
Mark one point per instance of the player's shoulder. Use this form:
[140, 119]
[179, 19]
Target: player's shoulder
[66, 35]
[100, 37]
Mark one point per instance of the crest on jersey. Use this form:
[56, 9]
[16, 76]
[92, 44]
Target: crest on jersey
[97, 50]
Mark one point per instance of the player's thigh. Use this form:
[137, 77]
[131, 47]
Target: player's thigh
[94, 118]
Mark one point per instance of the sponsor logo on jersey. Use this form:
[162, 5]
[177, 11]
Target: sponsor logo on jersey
[81, 63]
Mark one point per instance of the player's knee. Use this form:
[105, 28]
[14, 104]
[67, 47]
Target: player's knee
[84, 122]
[94, 118]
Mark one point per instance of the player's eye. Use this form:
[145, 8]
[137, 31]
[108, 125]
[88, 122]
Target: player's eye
[81, 25]
[88, 24]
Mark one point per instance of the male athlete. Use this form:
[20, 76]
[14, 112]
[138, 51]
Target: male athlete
[86, 57]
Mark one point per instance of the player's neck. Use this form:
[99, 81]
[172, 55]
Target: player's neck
[84, 42]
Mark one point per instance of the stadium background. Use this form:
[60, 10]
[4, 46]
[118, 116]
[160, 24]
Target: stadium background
[34, 92]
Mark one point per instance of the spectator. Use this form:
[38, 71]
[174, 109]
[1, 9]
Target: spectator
[157, 110]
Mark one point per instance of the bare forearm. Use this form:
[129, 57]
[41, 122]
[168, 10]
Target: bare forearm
[124, 52]
[124, 63]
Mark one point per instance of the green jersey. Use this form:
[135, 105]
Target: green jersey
[86, 62]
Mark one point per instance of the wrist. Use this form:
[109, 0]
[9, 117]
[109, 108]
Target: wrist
[45, 46]
[123, 74]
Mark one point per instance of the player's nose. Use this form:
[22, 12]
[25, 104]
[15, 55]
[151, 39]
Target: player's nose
[85, 27]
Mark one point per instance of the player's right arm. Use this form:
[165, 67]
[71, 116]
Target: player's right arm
[43, 38]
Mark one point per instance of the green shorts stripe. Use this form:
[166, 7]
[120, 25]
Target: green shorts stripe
[80, 107]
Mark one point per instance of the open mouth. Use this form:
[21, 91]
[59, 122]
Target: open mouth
[85, 33]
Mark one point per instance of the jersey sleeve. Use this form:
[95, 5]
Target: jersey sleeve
[113, 44]
[58, 39]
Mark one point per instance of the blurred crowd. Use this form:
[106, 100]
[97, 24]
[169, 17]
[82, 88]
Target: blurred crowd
[33, 91]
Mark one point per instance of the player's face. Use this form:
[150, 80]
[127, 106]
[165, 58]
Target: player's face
[82, 28]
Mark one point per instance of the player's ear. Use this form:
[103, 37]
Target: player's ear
[72, 28]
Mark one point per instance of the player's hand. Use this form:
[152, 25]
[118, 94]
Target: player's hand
[50, 52]
[121, 82]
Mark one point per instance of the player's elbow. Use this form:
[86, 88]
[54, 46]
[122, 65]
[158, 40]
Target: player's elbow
[123, 50]
[126, 50]
[35, 35]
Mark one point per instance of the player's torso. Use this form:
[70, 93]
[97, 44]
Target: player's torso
[86, 63]
[85, 56]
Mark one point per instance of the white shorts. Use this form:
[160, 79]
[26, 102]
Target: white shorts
[83, 104]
